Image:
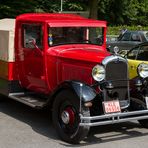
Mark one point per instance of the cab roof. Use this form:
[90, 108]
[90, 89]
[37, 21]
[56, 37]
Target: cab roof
[60, 19]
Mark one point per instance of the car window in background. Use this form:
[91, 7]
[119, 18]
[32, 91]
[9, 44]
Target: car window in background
[133, 54]
[146, 34]
[126, 36]
[143, 54]
[135, 37]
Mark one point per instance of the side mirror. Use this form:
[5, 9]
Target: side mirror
[32, 43]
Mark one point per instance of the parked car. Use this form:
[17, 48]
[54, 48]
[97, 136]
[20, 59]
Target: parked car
[128, 40]
[137, 55]
[137, 60]
[56, 60]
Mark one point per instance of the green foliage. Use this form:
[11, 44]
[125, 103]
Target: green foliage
[115, 30]
[115, 12]
[136, 12]
[70, 5]
[124, 12]
[47, 6]
[11, 9]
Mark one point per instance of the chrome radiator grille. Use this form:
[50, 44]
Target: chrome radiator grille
[117, 74]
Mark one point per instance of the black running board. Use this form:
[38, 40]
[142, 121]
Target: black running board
[29, 99]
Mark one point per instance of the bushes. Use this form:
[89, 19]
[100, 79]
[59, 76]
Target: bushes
[115, 30]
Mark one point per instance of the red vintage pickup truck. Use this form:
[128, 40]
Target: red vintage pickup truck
[60, 61]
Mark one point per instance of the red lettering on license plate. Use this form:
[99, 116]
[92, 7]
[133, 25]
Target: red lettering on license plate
[111, 106]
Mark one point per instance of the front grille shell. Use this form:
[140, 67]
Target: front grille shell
[117, 74]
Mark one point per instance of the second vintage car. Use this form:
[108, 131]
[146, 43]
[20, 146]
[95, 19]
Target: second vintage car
[128, 40]
[58, 61]
[137, 55]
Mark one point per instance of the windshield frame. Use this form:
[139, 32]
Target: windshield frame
[84, 41]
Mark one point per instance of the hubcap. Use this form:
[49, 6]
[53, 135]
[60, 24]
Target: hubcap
[67, 116]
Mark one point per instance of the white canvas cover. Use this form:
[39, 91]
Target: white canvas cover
[7, 27]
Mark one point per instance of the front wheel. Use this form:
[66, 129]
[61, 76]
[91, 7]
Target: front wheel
[138, 104]
[144, 122]
[66, 117]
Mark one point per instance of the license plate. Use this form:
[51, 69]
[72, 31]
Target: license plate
[111, 106]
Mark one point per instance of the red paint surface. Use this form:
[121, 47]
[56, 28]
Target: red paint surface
[43, 72]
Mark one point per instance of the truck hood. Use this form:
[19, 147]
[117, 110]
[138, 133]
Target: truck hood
[85, 52]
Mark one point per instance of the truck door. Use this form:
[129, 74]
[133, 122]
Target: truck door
[32, 64]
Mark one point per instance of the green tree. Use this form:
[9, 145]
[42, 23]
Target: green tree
[93, 8]
[11, 9]
[116, 12]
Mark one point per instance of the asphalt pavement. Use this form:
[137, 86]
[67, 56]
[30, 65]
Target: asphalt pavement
[24, 127]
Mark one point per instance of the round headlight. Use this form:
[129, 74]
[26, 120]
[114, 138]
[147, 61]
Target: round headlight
[143, 70]
[98, 73]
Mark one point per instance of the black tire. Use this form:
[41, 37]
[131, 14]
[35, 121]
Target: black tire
[2, 98]
[140, 105]
[70, 132]
[144, 123]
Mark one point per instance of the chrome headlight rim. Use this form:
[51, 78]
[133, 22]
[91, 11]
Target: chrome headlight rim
[142, 70]
[98, 72]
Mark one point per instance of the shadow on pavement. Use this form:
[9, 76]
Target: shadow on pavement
[40, 121]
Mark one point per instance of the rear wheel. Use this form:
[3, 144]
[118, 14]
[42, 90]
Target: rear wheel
[66, 117]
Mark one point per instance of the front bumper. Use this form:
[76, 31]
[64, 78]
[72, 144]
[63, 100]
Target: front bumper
[113, 118]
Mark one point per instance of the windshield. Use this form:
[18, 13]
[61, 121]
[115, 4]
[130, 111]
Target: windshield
[139, 53]
[67, 35]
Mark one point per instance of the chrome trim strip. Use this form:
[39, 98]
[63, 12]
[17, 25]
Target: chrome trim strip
[113, 58]
[113, 118]
[113, 121]
[22, 101]
[20, 93]
[16, 94]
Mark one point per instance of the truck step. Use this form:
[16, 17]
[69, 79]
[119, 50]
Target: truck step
[30, 99]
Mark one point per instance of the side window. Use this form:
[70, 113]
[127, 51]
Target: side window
[146, 35]
[133, 54]
[135, 37]
[143, 54]
[126, 36]
[32, 32]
